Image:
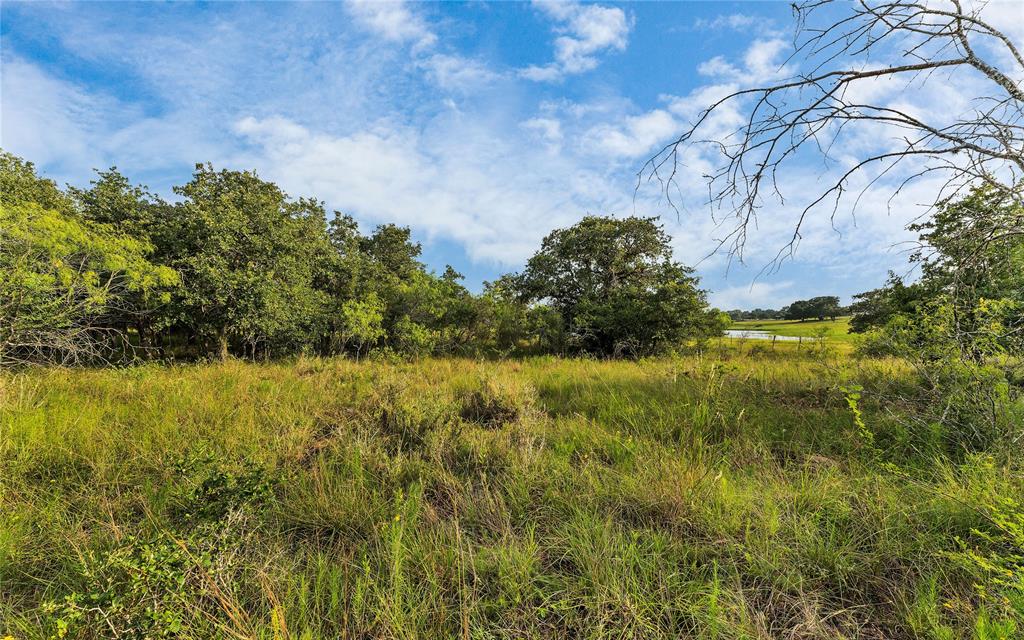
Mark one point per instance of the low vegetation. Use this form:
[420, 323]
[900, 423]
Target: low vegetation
[731, 494]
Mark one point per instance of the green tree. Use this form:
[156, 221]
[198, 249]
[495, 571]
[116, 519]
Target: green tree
[962, 323]
[248, 256]
[872, 309]
[973, 254]
[441, 306]
[820, 307]
[361, 323]
[754, 314]
[19, 183]
[970, 263]
[63, 279]
[825, 307]
[424, 313]
[344, 267]
[113, 200]
[393, 253]
[617, 288]
[796, 310]
[504, 323]
[421, 312]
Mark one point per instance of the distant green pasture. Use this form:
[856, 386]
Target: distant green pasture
[837, 329]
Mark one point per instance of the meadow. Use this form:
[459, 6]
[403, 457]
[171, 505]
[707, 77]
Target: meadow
[740, 493]
[834, 330]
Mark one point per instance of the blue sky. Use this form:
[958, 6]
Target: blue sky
[481, 126]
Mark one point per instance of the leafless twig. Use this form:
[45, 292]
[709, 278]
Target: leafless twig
[813, 112]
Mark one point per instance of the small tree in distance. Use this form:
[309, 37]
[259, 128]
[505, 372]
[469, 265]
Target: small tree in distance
[819, 308]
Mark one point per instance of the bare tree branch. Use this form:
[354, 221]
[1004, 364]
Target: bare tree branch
[816, 110]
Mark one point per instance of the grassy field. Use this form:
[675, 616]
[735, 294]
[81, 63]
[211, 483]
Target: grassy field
[725, 496]
[833, 330]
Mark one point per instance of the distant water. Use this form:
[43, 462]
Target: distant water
[750, 334]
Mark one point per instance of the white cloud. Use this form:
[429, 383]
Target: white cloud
[637, 136]
[548, 73]
[549, 129]
[30, 98]
[397, 22]
[453, 72]
[761, 64]
[313, 68]
[717, 66]
[761, 57]
[70, 131]
[622, 136]
[584, 31]
[440, 180]
[392, 20]
[1005, 15]
[737, 21]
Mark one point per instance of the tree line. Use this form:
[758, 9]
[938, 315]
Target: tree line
[237, 267]
[817, 308]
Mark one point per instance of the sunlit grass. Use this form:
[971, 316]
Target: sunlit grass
[723, 495]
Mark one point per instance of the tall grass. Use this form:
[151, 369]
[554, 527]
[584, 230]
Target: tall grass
[731, 496]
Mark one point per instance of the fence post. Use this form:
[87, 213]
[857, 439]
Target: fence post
[799, 343]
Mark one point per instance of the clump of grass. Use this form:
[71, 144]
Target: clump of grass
[406, 415]
[498, 400]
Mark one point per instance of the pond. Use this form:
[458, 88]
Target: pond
[752, 334]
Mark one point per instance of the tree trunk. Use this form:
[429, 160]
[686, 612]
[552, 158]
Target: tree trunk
[222, 340]
[144, 339]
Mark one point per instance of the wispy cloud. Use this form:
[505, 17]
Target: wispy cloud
[399, 22]
[585, 30]
[737, 21]
[636, 136]
[550, 129]
[439, 180]
[741, 22]
[63, 126]
[457, 73]
[393, 20]
[761, 63]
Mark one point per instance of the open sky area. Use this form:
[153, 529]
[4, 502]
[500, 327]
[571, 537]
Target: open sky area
[481, 126]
